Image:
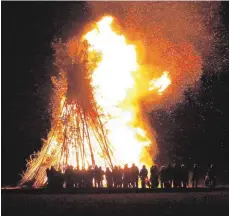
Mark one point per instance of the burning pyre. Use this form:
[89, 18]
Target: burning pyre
[96, 115]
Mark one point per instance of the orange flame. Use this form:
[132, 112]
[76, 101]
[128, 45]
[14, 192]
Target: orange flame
[161, 83]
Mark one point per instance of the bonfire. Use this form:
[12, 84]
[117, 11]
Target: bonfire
[95, 117]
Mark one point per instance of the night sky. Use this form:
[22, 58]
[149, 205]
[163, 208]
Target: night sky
[27, 32]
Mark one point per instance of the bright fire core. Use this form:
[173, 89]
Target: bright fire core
[114, 84]
[112, 79]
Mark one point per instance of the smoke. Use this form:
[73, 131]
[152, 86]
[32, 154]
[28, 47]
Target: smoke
[169, 36]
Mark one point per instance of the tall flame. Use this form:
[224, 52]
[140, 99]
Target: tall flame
[113, 80]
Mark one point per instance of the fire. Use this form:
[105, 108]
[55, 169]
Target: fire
[161, 83]
[114, 87]
[113, 80]
[113, 76]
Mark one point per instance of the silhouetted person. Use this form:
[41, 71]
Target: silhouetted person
[58, 179]
[134, 175]
[115, 174]
[184, 176]
[171, 175]
[49, 178]
[162, 176]
[83, 178]
[154, 175]
[97, 176]
[143, 176]
[195, 176]
[53, 178]
[77, 177]
[207, 180]
[101, 174]
[177, 176]
[108, 175]
[120, 177]
[90, 175]
[125, 176]
[212, 176]
[129, 178]
[69, 177]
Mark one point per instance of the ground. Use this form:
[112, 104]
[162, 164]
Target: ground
[192, 203]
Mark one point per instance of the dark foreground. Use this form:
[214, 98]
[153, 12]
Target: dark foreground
[192, 203]
[106, 190]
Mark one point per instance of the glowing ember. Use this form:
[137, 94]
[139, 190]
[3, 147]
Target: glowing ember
[161, 83]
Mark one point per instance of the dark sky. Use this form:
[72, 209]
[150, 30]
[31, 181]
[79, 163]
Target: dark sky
[28, 29]
[27, 32]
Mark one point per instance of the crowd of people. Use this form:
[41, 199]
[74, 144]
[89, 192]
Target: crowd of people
[129, 177]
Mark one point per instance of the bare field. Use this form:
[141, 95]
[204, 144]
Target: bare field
[209, 203]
